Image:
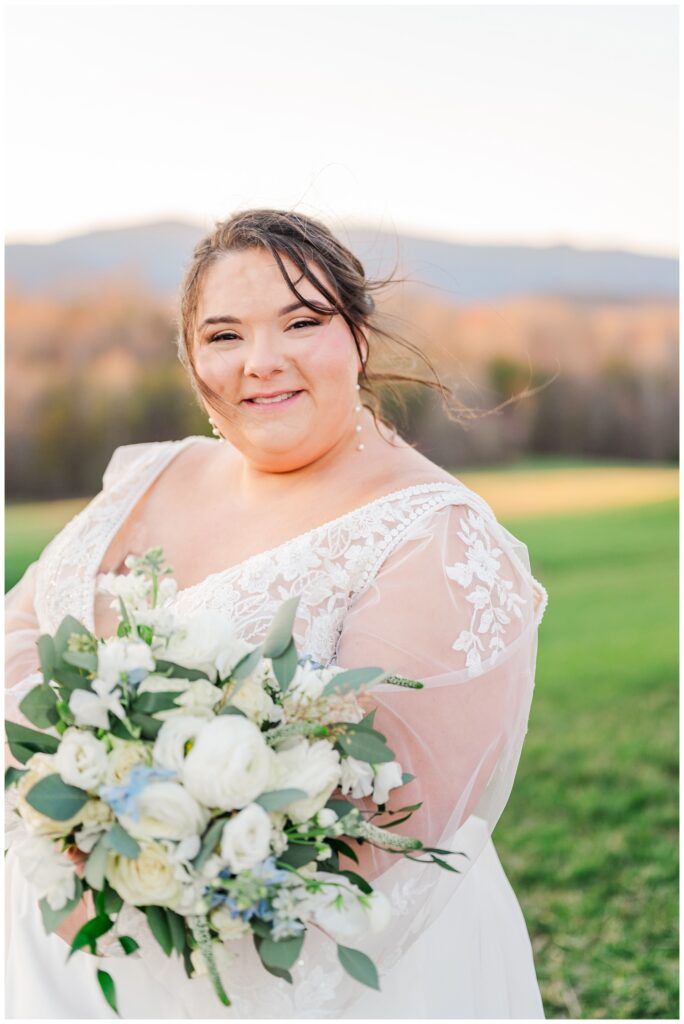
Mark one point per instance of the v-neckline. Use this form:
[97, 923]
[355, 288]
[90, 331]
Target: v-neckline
[159, 466]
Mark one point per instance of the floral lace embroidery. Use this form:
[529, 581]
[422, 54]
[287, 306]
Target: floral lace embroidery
[494, 600]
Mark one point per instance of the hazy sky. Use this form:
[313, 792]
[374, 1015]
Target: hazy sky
[535, 124]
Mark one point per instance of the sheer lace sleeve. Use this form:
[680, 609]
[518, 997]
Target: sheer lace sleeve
[456, 607]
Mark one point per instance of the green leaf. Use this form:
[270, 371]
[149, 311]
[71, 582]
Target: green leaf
[342, 847]
[108, 989]
[260, 927]
[147, 703]
[160, 927]
[13, 775]
[120, 841]
[363, 885]
[275, 799]
[89, 934]
[55, 799]
[177, 929]
[368, 720]
[149, 726]
[364, 745]
[25, 742]
[53, 918]
[406, 777]
[340, 807]
[120, 730]
[230, 709]
[47, 655]
[279, 633]
[298, 854]
[359, 966]
[174, 671]
[113, 902]
[40, 706]
[95, 866]
[211, 838]
[246, 665]
[128, 944]
[70, 679]
[353, 679]
[443, 864]
[86, 660]
[281, 954]
[67, 627]
[285, 666]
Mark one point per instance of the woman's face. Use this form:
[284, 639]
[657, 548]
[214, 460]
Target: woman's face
[274, 349]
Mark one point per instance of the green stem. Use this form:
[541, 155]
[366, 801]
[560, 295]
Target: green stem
[200, 930]
[412, 684]
[282, 732]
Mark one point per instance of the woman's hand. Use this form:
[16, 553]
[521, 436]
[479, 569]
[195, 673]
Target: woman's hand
[85, 909]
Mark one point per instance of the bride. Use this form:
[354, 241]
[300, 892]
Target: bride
[306, 490]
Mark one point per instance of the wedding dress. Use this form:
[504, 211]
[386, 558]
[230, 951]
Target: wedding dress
[423, 582]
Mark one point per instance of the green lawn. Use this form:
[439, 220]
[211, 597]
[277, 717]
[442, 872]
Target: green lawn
[589, 837]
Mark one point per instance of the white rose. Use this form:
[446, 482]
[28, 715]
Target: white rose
[149, 879]
[124, 755]
[170, 745]
[90, 707]
[387, 777]
[199, 699]
[356, 776]
[313, 767]
[166, 811]
[122, 654]
[253, 700]
[229, 764]
[81, 759]
[226, 925]
[338, 911]
[200, 641]
[50, 872]
[246, 838]
[39, 766]
[96, 817]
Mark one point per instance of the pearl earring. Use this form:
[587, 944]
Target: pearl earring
[357, 409]
[215, 430]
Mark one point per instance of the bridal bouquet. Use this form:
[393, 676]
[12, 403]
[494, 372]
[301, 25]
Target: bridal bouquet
[195, 774]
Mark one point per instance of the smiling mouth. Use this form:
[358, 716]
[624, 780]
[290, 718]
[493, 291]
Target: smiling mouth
[287, 398]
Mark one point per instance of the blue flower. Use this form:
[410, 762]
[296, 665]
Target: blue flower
[123, 799]
[268, 872]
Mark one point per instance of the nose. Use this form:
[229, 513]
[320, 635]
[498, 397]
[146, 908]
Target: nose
[263, 357]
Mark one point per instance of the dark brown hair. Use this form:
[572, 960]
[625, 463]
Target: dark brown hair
[303, 239]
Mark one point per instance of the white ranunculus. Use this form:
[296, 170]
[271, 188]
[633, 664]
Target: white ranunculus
[227, 926]
[229, 764]
[166, 811]
[387, 777]
[307, 685]
[313, 767]
[338, 911]
[246, 838]
[200, 641]
[96, 817]
[124, 755]
[38, 767]
[176, 733]
[149, 879]
[90, 708]
[81, 759]
[356, 776]
[48, 870]
[199, 699]
[121, 654]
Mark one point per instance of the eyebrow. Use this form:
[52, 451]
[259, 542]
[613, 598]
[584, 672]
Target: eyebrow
[226, 318]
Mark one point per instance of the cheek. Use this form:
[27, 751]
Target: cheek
[331, 363]
[215, 367]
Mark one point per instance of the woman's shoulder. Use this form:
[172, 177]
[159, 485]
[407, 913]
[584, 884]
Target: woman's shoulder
[131, 457]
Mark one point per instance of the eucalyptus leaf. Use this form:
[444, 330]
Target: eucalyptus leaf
[24, 742]
[359, 966]
[149, 726]
[53, 918]
[70, 679]
[13, 775]
[86, 660]
[353, 679]
[177, 929]
[40, 706]
[279, 633]
[211, 838]
[47, 655]
[246, 665]
[174, 671]
[147, 703]
[67, 627]
[55, 798]
[298, 854]
[285, 666]
[276, 799]
[95, 866]
[340, 807]
[112, 901]
[406, 777]
[230, 709]
[365, 746]
[108, 987]
[118, 839]
[283, 953]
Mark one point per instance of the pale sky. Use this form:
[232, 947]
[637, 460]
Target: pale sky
[517, 124]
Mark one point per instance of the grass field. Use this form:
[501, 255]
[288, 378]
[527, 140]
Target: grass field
[589, 837]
